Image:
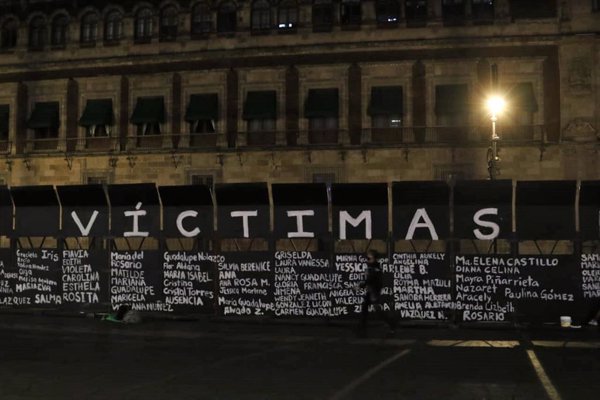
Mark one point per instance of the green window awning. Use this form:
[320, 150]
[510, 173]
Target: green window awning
[202, 107]
[149, 110]
[322, 103]
[97, 112]
[4, 113]
[386, 100]
[260, 105]
[451, 99]
[522, 96]
[44, 115]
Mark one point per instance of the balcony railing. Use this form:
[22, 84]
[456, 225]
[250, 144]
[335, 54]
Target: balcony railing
[452, 135]
[44, 145]
[375, 137]
[99, 144]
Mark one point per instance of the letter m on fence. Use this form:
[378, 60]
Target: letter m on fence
[346, 218]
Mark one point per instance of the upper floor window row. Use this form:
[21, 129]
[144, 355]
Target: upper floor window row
[264, 16]
[57, 31]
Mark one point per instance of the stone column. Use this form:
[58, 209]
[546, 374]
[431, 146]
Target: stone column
[355, 103]
[419, 101]
[552, 96]
[72, 114]
[124, 113]
[21, 117]
[292, 109]
[178, 140]
[232, 108]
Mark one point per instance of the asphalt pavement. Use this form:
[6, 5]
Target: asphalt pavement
[44, 357]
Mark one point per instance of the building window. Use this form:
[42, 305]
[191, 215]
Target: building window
[323, 123]
[416, 13]
[148, 115]
[260, 114]
[350, 13]
[148, 129]
[113, 27]
[386, 109]
[261, 125]
[203, 126]
[227, 17]
[97, 117]
[44, 121]
[144, 25]
[322, 16]
[97, 131]
[60, 30]
[386, 121]
[287, 15]
[321, 108]
[388, 12]
[261, 16]
[386, 112]
[9, 34]
[452, 112]
[97, 180]
[202, 113]
[453, 12]
[451, 105]
[169, 20]
[532, 9]
[482, 11]
[46, 133]
[519, 122]
[201, 19]
[327, 178]
[202, 179]
[37, 33]
[89, 28]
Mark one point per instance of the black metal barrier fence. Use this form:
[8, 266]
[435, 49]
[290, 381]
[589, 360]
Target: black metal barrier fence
[303, 284]
[85, 248]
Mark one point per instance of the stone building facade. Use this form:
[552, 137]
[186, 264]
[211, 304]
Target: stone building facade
[188, 91]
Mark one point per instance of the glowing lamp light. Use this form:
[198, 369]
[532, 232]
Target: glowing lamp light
[495, 105]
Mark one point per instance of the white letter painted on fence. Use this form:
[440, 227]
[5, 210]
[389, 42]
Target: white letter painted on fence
[416, 222]
[486, 224]
[136, 215]
[179, 222]
[300, 223]
[245, 215]
[345, 218]
[85, 231]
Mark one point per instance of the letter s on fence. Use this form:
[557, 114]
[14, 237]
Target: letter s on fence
[486, 224]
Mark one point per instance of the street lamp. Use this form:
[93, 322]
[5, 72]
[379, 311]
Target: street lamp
[495, 105]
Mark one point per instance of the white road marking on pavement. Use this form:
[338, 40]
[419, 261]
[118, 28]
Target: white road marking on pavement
[381, 342]
[543, 377]
[504, 344]
[567, 344]
[367, 375]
